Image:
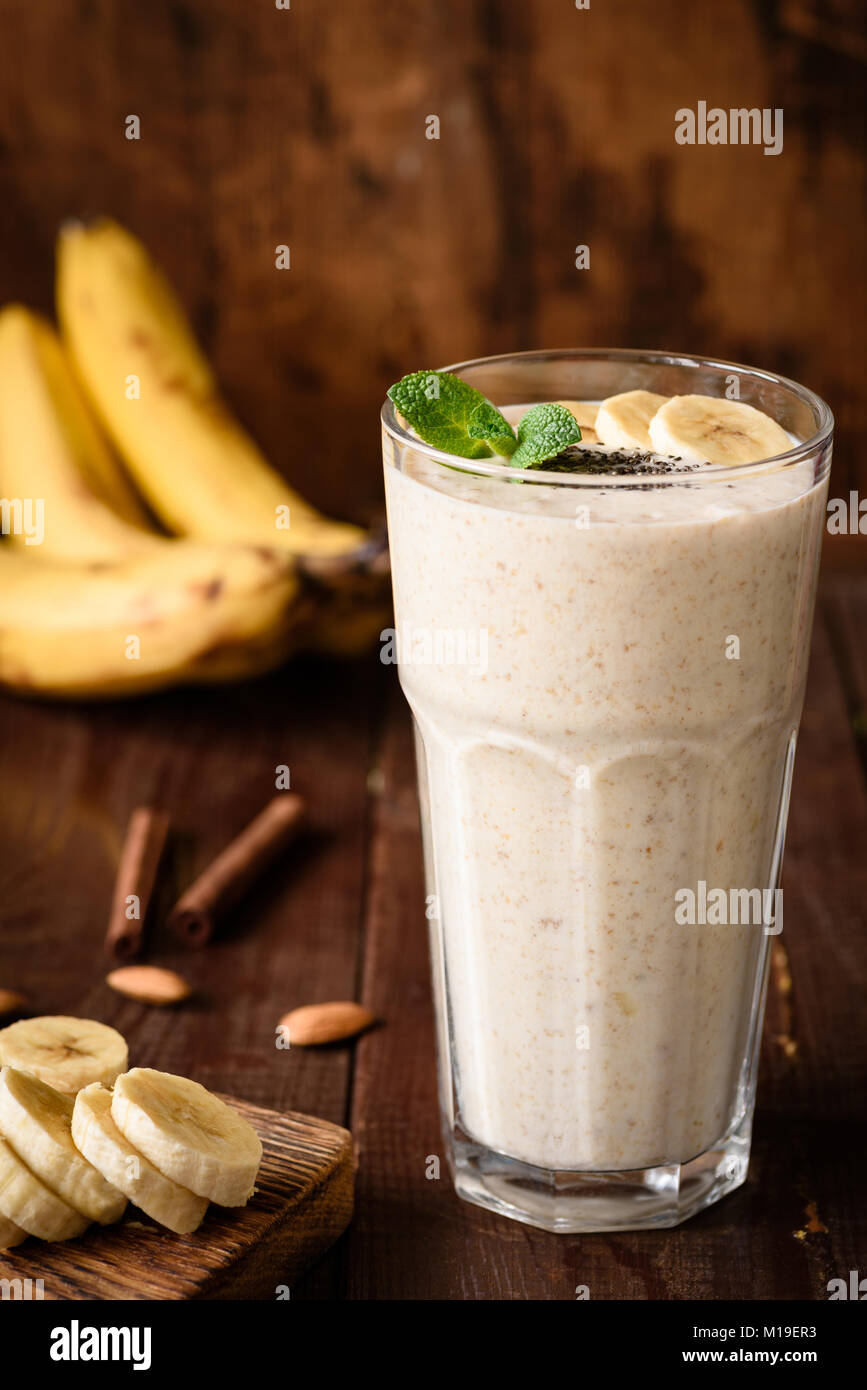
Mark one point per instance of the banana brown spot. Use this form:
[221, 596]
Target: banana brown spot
[209, 591]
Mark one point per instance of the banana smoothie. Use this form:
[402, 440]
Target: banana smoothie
[606, 703]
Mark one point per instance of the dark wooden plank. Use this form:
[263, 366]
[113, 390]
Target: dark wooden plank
[845, 610]
[844, 554]
[400, 1237]
[800, 1218]
[302, 1203]
[817, 1102]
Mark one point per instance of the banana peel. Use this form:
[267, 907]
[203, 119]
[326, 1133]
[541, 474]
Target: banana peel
[52, 452]
[122, 628]
[105, 605]
[155, 393]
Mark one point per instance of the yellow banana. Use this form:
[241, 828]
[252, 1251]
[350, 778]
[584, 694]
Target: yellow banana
[184, 612]
[155, 393]
[53, 459]
[200, 612]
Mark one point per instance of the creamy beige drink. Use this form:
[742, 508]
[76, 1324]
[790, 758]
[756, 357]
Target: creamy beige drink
[611, 720]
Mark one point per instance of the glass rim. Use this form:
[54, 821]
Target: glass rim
[713, 472]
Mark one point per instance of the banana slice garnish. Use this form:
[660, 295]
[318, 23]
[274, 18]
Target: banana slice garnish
[712, 429]
[622, 421]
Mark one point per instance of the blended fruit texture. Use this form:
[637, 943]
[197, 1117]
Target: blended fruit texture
[607, 684]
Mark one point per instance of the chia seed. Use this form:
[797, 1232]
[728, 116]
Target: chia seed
[577, 458]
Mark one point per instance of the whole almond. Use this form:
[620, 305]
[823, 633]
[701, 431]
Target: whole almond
[150, 984]
[11, 1002]
[314, 1024]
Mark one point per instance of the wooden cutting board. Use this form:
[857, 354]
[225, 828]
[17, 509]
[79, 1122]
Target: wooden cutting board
[303, 1202]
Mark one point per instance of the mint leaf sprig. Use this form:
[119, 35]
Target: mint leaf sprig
[452, 416]
[543, 433]
[488, 424]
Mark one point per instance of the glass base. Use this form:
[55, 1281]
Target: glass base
[576, 1202]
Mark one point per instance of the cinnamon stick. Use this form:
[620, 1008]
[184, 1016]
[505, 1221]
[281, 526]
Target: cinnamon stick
[133, 887]
[224, 882]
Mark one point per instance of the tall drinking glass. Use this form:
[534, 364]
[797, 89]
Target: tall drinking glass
[606, 677]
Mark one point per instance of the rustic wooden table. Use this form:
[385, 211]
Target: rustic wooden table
[342, 917]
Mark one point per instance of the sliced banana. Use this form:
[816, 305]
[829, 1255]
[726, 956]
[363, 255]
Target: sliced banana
[37, 1123]
[100, 1140]
[10, 1234]
[188, 1134]
[66, 1053]
[622, 421]
[31, 1205]
[712, 429]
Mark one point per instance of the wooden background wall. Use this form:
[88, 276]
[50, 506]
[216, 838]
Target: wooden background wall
[307, 126]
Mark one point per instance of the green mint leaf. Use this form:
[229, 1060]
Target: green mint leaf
[453, 416]
[544, 432]
[488, 424]
[438, 406]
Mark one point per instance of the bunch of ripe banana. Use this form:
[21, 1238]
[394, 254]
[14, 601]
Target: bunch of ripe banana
[80, 1136]
[146, 539]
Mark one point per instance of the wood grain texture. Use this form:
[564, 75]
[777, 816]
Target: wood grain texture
[845, 611]
[69, 776]
[302, 1203]
[307, 127]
